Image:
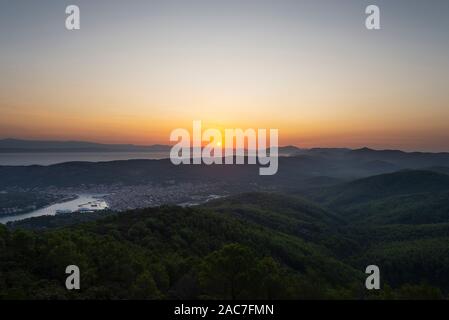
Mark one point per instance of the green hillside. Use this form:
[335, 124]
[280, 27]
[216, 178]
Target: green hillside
[381, 190]
[384, 185]
[169, 252]
[288, 214]
[419, 208]
[255, 245]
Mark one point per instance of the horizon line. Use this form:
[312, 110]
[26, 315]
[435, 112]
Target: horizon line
[366, 147]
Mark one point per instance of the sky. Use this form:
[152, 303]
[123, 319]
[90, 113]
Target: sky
[138, 69]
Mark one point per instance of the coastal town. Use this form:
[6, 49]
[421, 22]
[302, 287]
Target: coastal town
[52, 200]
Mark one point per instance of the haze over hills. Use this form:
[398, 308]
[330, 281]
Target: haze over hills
[305, 168]
[341, 163]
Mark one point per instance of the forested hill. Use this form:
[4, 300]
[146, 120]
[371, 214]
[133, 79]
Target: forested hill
[170, 252]
[385, 185]
[406, 197]
[257, 245]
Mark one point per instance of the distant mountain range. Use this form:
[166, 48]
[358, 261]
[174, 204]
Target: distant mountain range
[377, 157]
[17, 145]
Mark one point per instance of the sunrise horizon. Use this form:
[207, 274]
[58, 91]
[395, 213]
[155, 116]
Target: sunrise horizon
[311, 70]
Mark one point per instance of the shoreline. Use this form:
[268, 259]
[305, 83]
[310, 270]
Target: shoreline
[97, 197]
[73, 197]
